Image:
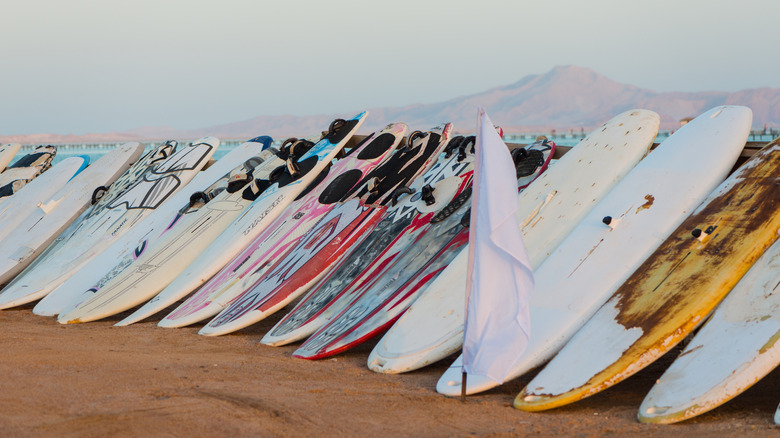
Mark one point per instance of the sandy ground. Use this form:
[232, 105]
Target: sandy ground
[94, 380]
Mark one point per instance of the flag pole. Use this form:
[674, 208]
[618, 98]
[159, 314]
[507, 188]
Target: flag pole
[463, 387]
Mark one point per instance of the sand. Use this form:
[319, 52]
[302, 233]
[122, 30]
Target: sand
[96, 380]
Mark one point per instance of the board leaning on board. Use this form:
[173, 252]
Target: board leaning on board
[304, 266]
[548, 210]
[329, 239]
[122, 252]
[387, 240]
[672, 292]
[223, 226]
[620, 232]
[453, 191]
[388, 292]
[736, 347]
[143, 188]
[51, 218]
[279, 236]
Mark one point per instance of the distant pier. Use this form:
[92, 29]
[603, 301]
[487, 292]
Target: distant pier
[565, 141]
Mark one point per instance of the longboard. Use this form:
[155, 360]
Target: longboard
[326, 242]
[549, 209]
[148, 184]
[25, 169]
[621, 231]
[43, 225]
[272, 292]
[122, 252]
[672, 291]
[200, 247]
[735, 348]
[284, 232]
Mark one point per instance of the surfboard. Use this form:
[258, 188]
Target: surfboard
[43, 225]
[122, 252]
[548, 210]
[672, 291]
[25, 169]
[328, 240]
[734, 349]
[17, 207]
[200, 247]
[621, 231]
[384, 290]
[286, 230]
[7, 153]
[161, 173]
[271, 294]
[777, 415]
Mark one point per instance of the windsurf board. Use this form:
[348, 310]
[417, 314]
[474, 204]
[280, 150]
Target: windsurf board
[734, 349]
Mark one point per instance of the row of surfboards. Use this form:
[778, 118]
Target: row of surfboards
[631, 251]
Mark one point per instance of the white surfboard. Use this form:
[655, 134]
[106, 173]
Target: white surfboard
[7, 153]
[127, 206]
[123, 250]
[777, 415]
[17, 207]
[289, 227]
[550, 208]
[621, 231]
[42, 226]
[210, 241]
[735, 348]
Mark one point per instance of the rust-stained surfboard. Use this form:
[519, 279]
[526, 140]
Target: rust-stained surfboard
[672, 291]
[737, 346]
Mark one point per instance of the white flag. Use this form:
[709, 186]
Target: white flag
[499, 279]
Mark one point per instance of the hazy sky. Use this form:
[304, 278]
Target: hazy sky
[79, 66]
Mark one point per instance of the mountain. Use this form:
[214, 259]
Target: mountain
[566, 97]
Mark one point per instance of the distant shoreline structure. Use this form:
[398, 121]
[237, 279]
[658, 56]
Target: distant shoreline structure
[571, 138]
